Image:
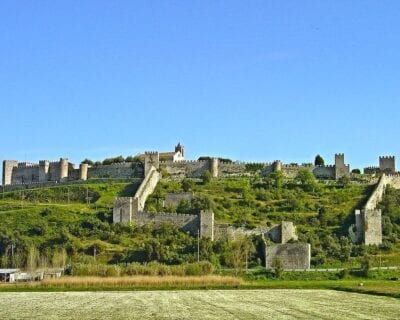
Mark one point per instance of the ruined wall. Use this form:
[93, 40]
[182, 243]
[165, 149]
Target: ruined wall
[182, 169]
[288, 231]
[186, 222]
[368, 224]
[207, 224]
[292, 255]
[116, 170]
[122, 210]
[174, 199]
[372, 227]
[324, 172]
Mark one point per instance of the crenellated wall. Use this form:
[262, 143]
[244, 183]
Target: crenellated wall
[122, 170]
[182, 169]
[174, 199]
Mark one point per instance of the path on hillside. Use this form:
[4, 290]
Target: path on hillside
[217, 304]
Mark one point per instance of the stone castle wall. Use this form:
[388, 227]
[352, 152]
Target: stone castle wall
[293, 256]
[368, 220]
[174, 199]
[15, 173]
[182, 169]
[186, 222]
[24, 173]
[117, 170]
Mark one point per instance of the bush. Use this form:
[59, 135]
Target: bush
[206, 177]
[343, 274]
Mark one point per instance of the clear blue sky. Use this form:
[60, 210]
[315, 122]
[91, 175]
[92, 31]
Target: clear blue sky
[248, 80]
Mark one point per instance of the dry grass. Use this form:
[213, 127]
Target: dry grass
[142, 281]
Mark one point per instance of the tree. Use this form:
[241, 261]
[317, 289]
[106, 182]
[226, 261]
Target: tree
[366, 265]
[88, 161]
[319, 161]
[277, 267]
[344, 181]
[306, 179]
[206, 177]
[276, 179]
[32, 258]
[239, 252]
[59, 259]
[187, 185]
[183, 207]
[356, 171]
[322, 217]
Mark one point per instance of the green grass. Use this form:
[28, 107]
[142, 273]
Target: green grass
[218, 304]
[59, 216]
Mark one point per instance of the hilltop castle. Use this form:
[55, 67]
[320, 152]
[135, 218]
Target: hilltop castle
[149, 168]
[174, 164]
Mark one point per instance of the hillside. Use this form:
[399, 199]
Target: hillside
[60, 216]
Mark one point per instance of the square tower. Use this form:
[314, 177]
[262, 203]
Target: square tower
[151, 159]
[387, 164]
[341, 170]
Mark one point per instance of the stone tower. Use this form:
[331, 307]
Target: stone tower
[83, 171]
[277, 166]
[63, 169]
[387, 164]
[43, 170]
[151, 159]
[214, 167]
[8, 166]
[341, 170]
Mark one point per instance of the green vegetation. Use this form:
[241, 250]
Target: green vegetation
[319, 161]
[200, 304]
[38, 223]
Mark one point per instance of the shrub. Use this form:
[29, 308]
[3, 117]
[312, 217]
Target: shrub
[206, 177]
[343, 274]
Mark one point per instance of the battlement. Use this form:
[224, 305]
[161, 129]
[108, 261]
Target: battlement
[27, 165]
[151, 152]
[328, 166]
[265, 164]
[387, 158]
[372, 168]
[393, 175]
[170, 162]
[297, 165]
[339, 155]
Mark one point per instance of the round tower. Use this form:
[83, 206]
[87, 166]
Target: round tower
[277, 165]
[83, 171]
[63, 169]
[214, 167]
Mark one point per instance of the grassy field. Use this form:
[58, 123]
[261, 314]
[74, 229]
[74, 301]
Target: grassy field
[218, 304]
